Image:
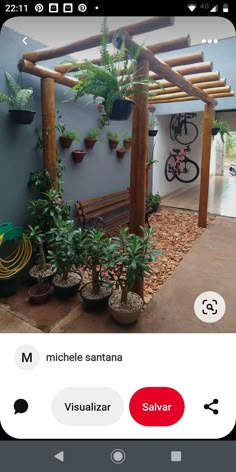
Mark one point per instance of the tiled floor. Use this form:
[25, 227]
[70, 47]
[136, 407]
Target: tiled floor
[221, 200]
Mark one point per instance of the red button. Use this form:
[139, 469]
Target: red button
[156, 406]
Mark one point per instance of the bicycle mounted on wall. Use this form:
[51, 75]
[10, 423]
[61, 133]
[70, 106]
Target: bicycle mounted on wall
[181, 130]
[179, 166]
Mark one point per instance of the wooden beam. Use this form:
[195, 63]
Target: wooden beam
[193, 79]
[205, 165]
[203, 85]
[187, 70]
[139, 153]
[159, 67]
[171, 61]
[178, 43]
[43, 72]
[145, 26]
[210, 91]
[49, 128]
[189, 98]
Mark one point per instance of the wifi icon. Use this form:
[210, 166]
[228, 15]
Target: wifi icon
[192, 7]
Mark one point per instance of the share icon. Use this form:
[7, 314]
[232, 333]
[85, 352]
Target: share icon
[207, 406]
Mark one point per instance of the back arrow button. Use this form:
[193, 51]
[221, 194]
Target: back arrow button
[24, 40]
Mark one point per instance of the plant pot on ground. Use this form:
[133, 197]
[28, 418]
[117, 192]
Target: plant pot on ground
[42, 269]
[91, 138]
[98, 251]
[120, 152]
[20, 101]
[153, 202]
[40, 292]
[8, 286]
[131, 256]
[78, 155]
[65, 258]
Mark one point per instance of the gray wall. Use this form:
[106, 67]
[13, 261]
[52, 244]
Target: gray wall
[100, 173]
[223, 56]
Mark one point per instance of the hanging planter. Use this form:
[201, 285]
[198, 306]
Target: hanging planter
[121, 109]
[215, 131]
[127, 143]
[89, 143]
[66, 142]
[78, 155]
[22, 117]
[113, 143]
[120, 152]
[152, 132]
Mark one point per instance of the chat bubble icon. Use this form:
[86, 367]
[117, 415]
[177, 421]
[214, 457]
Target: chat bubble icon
[20, 406]
[87, 406]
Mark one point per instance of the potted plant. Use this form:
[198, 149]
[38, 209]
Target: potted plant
[91, 138]
[114, 138]
[127, 142]
[64, 259]
[67, 138]
[98, 252]
[40, 292]
[78, 155]
[130, 261]
[109, 81]
[222, 127]
[43, 269]
[152, 202]
[152, 121]
[121, 152]
[150, 163]
[20, 101]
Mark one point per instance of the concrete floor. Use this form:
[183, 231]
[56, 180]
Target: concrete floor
[221, 200]
[209, 265]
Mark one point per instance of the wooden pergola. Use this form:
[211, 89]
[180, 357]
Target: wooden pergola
[184, 77]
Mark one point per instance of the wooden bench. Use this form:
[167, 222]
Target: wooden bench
[106, 212]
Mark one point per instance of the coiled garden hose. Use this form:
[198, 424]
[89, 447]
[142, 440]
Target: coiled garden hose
[17, 260]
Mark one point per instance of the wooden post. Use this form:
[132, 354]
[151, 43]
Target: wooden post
[205, 166]
[139, 152]
[49, 128]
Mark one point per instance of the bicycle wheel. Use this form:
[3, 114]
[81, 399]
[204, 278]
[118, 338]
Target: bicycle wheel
[170, 171]
[187, 172]
[190, 136]
[173, 127]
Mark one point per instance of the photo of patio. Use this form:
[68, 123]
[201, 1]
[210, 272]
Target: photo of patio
[118, 203]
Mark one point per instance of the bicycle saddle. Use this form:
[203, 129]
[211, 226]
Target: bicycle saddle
[177, 150]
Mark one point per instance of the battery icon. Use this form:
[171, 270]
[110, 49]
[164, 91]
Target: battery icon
[225, 8]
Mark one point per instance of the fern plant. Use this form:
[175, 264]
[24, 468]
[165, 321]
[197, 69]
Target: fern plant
[20, 98]
[114, 79]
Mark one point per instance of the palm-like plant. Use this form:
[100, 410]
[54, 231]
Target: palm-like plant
[114, 79]
[20, 98]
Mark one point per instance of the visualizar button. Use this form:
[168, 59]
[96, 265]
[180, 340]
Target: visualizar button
[157, 406]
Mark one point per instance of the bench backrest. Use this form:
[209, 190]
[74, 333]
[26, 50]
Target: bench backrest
[102, 205]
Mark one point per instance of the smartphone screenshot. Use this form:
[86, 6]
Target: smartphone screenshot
[117, 237]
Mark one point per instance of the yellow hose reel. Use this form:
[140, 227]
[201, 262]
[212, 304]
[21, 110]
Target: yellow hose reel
[19, 258]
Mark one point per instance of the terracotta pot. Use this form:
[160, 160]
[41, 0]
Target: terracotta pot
[78, 155]
[149, 166]
[127, 143]
[113, 143]
[89, 142]
[120, 153]
[66, 142]
[37, 297]
[151, 108]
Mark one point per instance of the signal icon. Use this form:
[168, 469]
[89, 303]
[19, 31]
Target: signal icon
[191, 6]
[214, 9]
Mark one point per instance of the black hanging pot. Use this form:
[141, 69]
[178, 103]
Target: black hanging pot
[122, 108]
[152, 132]
[22, 117]
[215, 131]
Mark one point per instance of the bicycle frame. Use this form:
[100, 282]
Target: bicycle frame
[180, 157]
